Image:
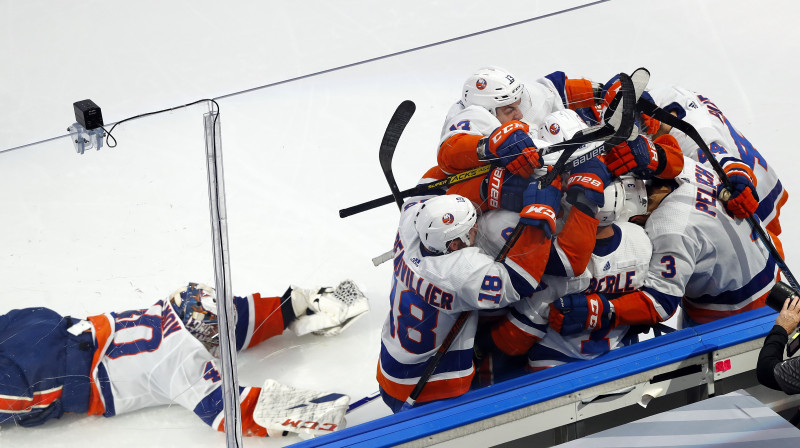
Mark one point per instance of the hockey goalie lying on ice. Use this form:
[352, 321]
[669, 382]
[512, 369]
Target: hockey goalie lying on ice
[119, 362]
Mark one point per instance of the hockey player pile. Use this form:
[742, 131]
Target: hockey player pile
[515, 273]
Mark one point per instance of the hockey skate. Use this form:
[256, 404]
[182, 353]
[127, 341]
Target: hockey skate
[327, 311]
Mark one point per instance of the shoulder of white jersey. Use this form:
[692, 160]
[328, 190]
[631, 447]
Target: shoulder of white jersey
[473, 119]
[694, 172]
[709, 126]
[539, 99]
[673, 214]
[493, 227]
[635, 237]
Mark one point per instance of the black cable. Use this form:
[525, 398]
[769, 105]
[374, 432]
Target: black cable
[108, 132]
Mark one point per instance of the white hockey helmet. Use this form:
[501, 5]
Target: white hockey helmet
[492, 87]
[624, 198]
[558, 127]
[443, 219]
[561, 125]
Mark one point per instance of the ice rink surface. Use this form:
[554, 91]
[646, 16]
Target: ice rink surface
[123, 227]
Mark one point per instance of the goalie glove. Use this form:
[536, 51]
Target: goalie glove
[741, 199]
[512, 147]
[327, 311]
[305, 412]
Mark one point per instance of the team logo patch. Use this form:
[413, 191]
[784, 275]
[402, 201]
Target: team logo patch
[448, 218]
[554, 128]
[480, 83]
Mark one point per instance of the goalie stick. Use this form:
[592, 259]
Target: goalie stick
[620, 125]
[656, 112]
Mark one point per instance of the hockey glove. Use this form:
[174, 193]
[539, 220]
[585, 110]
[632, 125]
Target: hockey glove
[609, 91]
[327, 311]
[541, 205]
[590, 179]
[575, 313]
[502, 189]
[512, 147]
[639, 156]
[743, 200]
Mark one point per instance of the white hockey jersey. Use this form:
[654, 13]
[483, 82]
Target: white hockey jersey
[428, 294]
[724, 141]
[617, 267]
[147, 358]
[538, 100]
[711, 262]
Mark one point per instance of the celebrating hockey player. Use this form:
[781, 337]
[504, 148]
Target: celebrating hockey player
[703, 260]
[438, 274]
[119, 362]
[490, 123]
[618, 265]
[756, 187]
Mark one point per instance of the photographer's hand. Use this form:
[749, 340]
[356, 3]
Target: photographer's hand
[789, 317]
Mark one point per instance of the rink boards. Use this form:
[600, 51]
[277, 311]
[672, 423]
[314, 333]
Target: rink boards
[578, 399]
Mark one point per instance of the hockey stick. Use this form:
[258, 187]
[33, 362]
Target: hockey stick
[397, 124]
[621, 125]
[597, 133]
[656, 112]
[415, 191]
[357, 404]
[394, 130]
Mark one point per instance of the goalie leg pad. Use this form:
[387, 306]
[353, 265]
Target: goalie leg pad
[305, 412]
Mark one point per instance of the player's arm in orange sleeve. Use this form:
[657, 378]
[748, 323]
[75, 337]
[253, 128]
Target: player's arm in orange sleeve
[459, 153]
[582, 93]
[260, 318]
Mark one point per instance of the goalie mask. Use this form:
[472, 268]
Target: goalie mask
[492, 87]
[196, 305]
[443, 219]
[624, 198]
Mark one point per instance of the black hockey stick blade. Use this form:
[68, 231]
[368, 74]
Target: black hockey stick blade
[656, 112]
[402, 115]
[617, 127]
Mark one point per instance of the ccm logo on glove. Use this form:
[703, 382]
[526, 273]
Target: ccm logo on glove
[594, 311]
[540, 210]
[511, 127]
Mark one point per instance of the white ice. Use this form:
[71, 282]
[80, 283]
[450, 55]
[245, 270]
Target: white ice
[123, 227]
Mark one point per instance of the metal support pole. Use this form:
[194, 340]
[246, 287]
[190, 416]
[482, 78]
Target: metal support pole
[222, 276]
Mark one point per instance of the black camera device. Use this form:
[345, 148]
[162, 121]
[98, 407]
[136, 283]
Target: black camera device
[88, 114]
[780, 292]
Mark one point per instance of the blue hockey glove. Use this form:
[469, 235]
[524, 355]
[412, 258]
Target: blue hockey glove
[589, 178]
[541, 205]
[575, 313]
[512, 147]
[501, 189]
